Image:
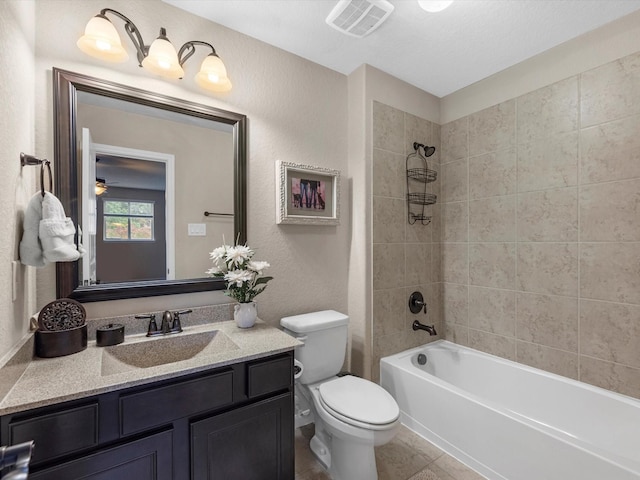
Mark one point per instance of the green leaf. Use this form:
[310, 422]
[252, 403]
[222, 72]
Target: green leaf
[263, 280]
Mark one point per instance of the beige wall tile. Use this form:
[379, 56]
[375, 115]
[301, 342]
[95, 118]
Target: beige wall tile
[498, 345]
[547, 111]
[417, 261]
[419, 233]
[456, 303]
[389, 174]
[388, 266]
[389, 220]
[416, 129]
[550, 268]
[610, 331]
[548, 320]
[493, 128]
[457, 334]
[609, 375]
[455, 263]
[550, 163]
[548, 359]
[493, 310]
[610, 151]
[388, 128]
[493, 219]
[492, 174]
[548, 216]
[453, 137]
[455, 181]
[492, 265]
[610, 91]
[455, 222]
[388, 311]
[609, 212]
[610, 271]
[436, 262]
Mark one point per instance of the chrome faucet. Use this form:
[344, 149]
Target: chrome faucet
[431, 329]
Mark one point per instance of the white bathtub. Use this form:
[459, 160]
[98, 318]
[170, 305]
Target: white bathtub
[508, 421]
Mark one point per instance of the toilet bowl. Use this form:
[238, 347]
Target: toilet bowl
[351, 415]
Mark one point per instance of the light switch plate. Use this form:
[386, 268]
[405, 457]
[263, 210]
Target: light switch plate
[197, 229]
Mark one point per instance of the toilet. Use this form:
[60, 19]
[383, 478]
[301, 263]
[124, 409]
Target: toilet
[351, 415]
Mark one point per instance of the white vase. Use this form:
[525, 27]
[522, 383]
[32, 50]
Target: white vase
[245, 314]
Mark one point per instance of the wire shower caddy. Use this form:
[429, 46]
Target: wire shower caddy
[419, 175]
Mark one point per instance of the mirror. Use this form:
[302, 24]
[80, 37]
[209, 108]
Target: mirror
[153, 183]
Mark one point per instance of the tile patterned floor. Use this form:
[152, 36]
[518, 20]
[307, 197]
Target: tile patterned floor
[407, 457]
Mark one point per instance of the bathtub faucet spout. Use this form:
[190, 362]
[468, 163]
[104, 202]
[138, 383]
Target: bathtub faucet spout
[427, 328]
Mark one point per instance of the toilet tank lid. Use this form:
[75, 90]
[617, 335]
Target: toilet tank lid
[314, 321]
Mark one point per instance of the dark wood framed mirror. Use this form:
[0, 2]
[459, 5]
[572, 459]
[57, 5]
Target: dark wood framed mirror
[68, 88]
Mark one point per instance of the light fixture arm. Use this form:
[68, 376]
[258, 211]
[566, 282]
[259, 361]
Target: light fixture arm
[142, 50]
[189, 48]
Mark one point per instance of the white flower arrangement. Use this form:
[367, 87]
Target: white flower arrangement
[243, 275]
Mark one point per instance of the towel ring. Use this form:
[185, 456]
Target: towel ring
[46, 163]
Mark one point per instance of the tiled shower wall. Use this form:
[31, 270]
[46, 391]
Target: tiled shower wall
[540, 229]
[405, 257]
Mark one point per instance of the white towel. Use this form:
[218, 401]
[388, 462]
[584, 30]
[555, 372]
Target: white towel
[48, 233]
[57, 232]
[30, 246]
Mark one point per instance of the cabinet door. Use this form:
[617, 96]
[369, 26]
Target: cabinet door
[250, 443]
[149, 458]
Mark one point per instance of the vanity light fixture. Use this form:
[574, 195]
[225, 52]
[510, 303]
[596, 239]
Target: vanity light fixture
[101, 186]
[433, 6]
[101, 40]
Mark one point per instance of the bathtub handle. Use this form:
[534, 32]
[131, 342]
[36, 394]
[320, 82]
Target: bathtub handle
[417, 303]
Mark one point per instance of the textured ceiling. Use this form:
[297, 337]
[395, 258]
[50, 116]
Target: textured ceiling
[437, 52]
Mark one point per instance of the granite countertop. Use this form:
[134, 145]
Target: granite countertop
[46, 381]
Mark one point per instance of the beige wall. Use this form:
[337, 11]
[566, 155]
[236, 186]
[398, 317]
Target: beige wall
[540, 227]
[17, 37]
[285, 122]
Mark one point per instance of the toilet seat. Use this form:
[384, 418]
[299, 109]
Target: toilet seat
[359, 402]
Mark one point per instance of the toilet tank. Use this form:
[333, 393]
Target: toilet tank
[324, 335]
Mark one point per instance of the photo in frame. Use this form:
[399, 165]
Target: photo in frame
[307, 195]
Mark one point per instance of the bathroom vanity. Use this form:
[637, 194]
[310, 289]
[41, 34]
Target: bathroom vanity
[223, 416]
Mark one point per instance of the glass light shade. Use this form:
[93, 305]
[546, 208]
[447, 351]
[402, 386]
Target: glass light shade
[101, 187]
[101, 40]
[213, 75]
[434, 6]
[163, 59]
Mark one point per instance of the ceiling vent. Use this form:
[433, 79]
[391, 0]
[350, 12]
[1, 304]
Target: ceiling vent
[359, 17]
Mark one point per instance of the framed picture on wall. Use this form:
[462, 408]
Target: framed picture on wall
[307, 195]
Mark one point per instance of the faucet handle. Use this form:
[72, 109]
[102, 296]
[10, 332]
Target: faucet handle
[153, 326]
[177, 326]
[417, 303]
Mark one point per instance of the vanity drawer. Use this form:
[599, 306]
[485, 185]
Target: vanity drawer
[58, 433]
[269, 376]
[160, 405]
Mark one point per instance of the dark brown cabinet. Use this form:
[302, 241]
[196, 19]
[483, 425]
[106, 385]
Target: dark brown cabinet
[149, 458]
[233, 422]
[247, 443]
